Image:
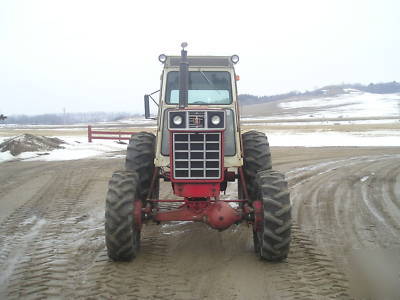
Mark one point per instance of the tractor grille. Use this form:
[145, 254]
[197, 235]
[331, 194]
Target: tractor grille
[197, 155]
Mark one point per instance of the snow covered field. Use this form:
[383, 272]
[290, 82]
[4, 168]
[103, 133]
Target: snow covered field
[352, 119]
[354, 107]
[355, 104]
[331, 138]
[76, 147]
[135, 122]
[280, 122]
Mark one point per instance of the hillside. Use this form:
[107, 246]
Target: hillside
[347, 103]
[330, 90]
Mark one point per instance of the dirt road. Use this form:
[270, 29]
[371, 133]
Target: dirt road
[52, 236]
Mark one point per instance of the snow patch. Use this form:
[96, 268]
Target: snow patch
[75, 148]
[17, 255]
[331, 138]
[311, 122]
[6, 156]
[353, 105]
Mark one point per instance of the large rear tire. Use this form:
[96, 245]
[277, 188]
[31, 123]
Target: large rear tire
[140, 158]
[273, 241]
[257, 157]
[122, 233]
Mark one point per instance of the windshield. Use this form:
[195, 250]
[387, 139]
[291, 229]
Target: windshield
[205, 87]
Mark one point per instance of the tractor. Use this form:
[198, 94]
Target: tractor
[198, 148]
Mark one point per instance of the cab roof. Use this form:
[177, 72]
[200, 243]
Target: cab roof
[201, 61]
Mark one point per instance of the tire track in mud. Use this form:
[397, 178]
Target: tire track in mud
[349, 204]
[307, 274]
[60, 235]
[14, 179]
[22, 221]
[149, 276]
[39, 266]
[310, 274]
[327, 196]
[152, 275]
[53, 262]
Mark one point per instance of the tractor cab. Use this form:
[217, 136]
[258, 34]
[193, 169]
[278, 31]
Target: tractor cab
[198, 133]
[198, 148]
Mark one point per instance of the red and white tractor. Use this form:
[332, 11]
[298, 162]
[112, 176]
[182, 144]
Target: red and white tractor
[199, 148]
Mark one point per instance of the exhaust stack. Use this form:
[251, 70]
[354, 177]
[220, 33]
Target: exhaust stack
[183, 78]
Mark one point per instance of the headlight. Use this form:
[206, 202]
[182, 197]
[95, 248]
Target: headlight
[234, 59]
[162, 58]
[177, 120]
[215, 120]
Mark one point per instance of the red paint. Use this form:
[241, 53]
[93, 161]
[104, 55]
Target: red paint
[110, 138]
[181, 214]
[113, 132]
[153, 181]
[198, 206]
[258, 215]
[243, 181]
[229, 175]
[89, 133]
[177, 201]
[196, 190]
[167, 200]
[219, 215]
[137, 213]
[147, 209]
[117, 135]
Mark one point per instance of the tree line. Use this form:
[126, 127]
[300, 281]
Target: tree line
[66, 119]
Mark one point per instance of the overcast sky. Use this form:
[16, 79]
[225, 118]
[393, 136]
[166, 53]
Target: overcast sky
[102, 55]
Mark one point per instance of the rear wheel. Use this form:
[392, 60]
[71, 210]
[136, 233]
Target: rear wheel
[140, 158]
[272, 241]
[257, 157]
[122, 229]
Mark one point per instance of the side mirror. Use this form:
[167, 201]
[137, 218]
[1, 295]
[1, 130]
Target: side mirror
[147, 104]
[146, 107]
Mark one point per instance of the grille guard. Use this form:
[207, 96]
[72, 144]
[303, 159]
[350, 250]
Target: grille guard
[204, 151]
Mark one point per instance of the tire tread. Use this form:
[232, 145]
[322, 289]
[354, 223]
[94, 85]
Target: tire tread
[257, 157]
[122, 239]
[276, 236]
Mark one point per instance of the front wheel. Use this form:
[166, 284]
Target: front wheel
[272, 240]
[256, 157]
[123, 210]
[140, 159]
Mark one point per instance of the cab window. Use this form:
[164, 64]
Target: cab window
[205, 87]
